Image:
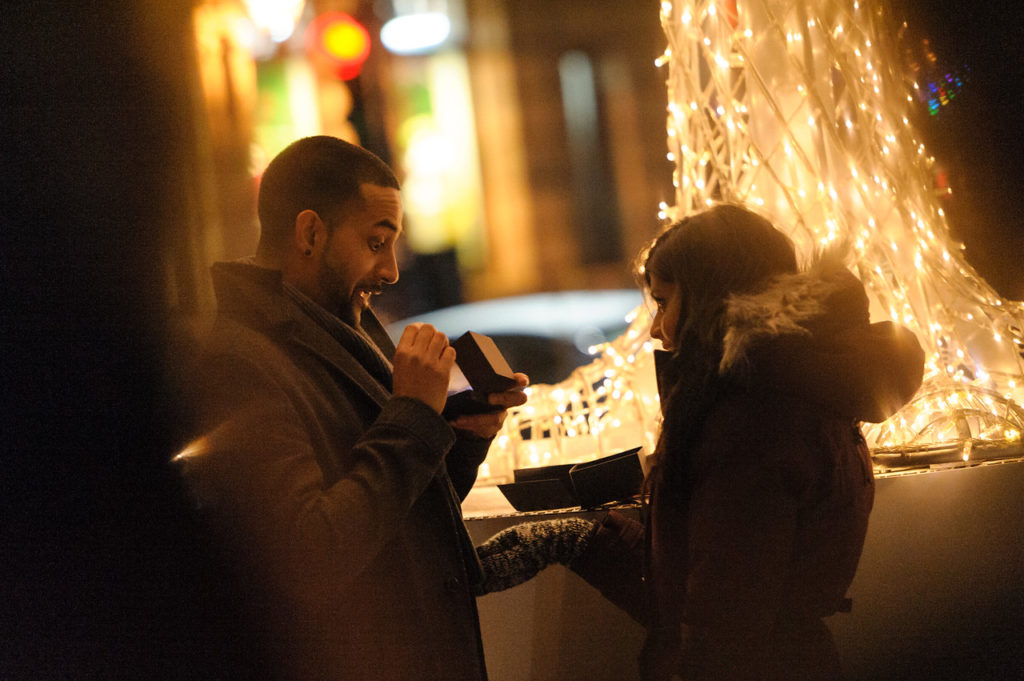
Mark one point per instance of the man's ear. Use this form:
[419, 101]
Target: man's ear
[310, 231]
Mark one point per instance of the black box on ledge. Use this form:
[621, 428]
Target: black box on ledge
[617, 477]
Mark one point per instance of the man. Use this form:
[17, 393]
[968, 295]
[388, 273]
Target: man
[326, 463]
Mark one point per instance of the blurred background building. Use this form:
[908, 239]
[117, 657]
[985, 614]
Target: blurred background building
[528, 135]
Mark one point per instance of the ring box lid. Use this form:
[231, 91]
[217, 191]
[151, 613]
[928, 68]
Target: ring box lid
[613, 478]
[482, 363]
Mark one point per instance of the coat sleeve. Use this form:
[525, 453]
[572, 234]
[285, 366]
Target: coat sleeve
[463, 461]
[256, 471]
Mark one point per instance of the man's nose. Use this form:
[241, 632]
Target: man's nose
[388, 267]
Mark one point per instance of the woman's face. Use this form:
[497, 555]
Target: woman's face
[666, 318]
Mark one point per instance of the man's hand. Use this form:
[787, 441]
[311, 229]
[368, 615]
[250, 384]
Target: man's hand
[488, 425]
[423, 362]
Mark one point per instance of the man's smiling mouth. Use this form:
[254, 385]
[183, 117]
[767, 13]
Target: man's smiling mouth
[364, 293]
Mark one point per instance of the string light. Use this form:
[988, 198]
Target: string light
[785, 131]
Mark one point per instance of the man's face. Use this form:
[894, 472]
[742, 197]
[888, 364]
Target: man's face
[360, 254]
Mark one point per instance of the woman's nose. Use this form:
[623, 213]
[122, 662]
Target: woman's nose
[656, 327]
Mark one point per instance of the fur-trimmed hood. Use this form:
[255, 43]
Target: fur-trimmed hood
[793, 304]
[809, 334]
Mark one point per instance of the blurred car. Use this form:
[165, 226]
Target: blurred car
[543, 335]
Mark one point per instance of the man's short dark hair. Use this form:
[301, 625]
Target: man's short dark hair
[318, 173]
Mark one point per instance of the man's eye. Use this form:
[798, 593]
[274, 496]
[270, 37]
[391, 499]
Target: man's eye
[375, 246]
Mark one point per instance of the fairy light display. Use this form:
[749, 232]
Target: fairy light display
[799, 110]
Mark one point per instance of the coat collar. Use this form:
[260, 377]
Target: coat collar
[322, 344]
[254, 297]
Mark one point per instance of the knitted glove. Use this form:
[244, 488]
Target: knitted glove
[518, 553]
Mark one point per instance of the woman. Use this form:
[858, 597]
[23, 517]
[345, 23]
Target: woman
[761, 483]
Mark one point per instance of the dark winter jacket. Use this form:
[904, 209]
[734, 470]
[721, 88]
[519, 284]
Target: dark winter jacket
[339, 502]
[740, 573]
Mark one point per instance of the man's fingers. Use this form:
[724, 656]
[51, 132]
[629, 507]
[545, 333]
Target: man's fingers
[422, 365]
[481, 425]
[512, 397]
[437, 344]
[424, 338]
[509, 398]
[409, 334]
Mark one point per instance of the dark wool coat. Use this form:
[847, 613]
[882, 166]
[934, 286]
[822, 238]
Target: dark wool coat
[339, 503]
[738, 576]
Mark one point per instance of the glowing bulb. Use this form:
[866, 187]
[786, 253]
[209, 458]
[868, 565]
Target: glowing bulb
[415, 33]
[278, 18]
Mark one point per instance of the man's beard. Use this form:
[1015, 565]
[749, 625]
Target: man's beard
[346, 304]
[342, 302]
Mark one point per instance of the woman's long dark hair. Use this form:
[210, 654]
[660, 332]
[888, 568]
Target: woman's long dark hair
[708, 257]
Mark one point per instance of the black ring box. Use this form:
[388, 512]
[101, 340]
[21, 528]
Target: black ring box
[483, 364]
[486, 370]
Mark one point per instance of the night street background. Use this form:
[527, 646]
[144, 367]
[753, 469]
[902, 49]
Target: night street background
[98, 567]
[979, 136]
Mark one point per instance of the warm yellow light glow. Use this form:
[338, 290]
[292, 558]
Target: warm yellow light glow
[439, 158]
